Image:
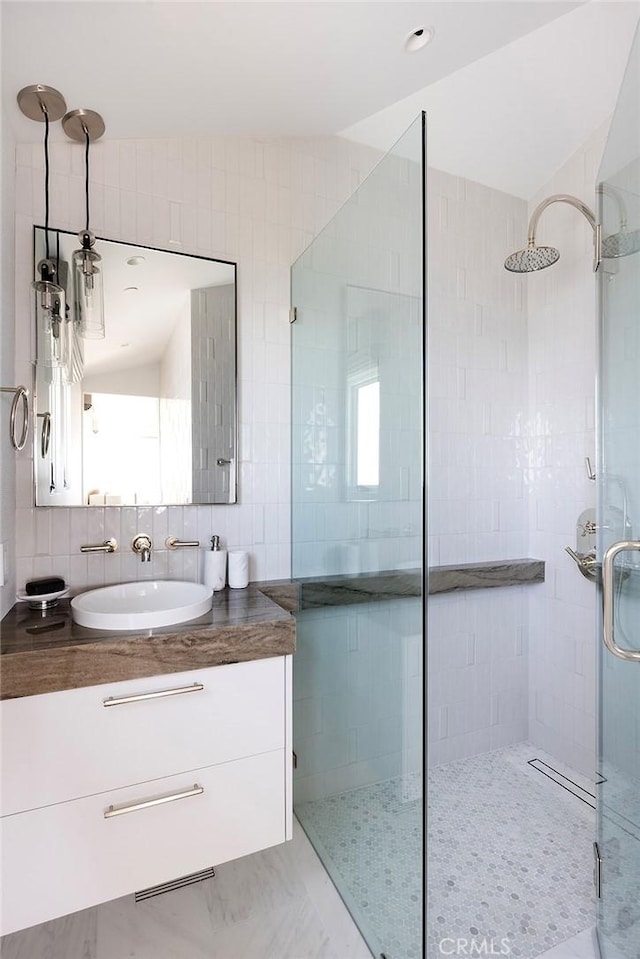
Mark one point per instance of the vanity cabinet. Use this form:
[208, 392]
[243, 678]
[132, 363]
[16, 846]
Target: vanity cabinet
[83, 771]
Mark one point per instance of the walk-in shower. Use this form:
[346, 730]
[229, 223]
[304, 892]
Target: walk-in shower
[519, 686]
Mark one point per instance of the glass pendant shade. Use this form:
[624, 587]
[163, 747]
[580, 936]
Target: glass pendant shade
[88, 290]
[51, 322]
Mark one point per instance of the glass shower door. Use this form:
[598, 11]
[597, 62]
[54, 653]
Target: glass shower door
[357, 547]
[618, 477]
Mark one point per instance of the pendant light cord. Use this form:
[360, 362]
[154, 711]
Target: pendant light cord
[86, 168]
[46, 179]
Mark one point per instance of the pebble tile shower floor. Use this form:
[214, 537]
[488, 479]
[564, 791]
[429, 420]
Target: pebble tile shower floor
[509, 857]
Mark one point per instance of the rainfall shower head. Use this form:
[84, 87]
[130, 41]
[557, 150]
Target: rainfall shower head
[532, 259]
[620, 244]
[536, 257]
[539, 257]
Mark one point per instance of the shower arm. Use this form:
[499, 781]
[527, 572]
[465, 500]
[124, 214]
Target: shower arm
[605, 190]
[559, 198]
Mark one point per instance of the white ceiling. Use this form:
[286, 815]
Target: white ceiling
[511, 88]
[512, 118]
[140, 324]
[171, 68]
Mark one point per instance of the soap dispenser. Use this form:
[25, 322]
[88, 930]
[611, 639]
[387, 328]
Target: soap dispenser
[215, 566]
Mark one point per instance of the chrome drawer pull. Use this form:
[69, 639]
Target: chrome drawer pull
[159, 694]
[146, 803]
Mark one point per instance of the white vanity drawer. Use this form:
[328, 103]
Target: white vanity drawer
[61, 746]
[67, 857]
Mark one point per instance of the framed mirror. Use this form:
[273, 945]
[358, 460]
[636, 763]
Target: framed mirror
[147, 414]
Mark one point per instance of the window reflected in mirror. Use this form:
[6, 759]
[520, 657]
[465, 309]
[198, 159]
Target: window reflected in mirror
[368, 434]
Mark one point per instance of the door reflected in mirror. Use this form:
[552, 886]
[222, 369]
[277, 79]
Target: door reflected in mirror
[147, 415]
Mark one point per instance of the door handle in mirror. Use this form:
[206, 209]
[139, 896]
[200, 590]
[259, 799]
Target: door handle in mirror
[608, 600]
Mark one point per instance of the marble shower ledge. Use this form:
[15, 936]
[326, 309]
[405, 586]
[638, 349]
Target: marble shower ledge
[346, 590]
[511, 572]
[46, 654]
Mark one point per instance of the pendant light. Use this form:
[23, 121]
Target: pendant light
[46, 105]
[85, 126]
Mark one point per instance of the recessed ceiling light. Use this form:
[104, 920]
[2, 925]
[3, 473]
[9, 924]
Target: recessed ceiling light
[123, 346]
[135, 260]
[418, 39]
[129, 290]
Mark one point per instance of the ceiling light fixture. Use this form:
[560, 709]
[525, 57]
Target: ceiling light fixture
[85, 126]
[418, 39]
[46, 105]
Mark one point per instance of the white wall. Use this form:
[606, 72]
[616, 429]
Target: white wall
[175, 413]
[562, 365]
[7, 374]
[254, 200]
[477, 354]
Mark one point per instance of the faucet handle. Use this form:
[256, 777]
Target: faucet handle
[587, 563]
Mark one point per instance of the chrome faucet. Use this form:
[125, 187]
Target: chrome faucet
[142, 545]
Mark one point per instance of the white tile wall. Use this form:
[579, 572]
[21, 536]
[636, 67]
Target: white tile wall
[254, 200]
[562, 364]
[477, 374]
[477, 354]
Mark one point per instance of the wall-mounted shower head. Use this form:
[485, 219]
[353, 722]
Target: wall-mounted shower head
[532, 259]
[539, 257]
[536, 257]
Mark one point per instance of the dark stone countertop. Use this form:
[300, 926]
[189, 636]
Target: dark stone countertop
[345, 590]
[42, 654]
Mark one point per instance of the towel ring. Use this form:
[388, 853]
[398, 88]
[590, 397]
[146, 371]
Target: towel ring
[20, 393]
[45, 439]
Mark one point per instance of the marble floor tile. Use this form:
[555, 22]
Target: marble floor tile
[294, 931]
[264, 883]
[509, 855]
[370, 841]
[276, 904]
[176, 925]
[70, 937]
[326, 899]
[581, 946]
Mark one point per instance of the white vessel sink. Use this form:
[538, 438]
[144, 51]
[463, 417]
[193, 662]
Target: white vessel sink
[141, 605]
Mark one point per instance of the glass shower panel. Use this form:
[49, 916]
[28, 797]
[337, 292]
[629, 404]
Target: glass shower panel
[357, 547]
[619, 527]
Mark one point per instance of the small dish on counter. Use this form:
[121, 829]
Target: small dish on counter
[43, 600]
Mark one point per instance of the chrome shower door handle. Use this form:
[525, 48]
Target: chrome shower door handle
[608, 600]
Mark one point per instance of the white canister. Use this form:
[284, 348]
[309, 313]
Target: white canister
[238, 569]
[215, 566]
